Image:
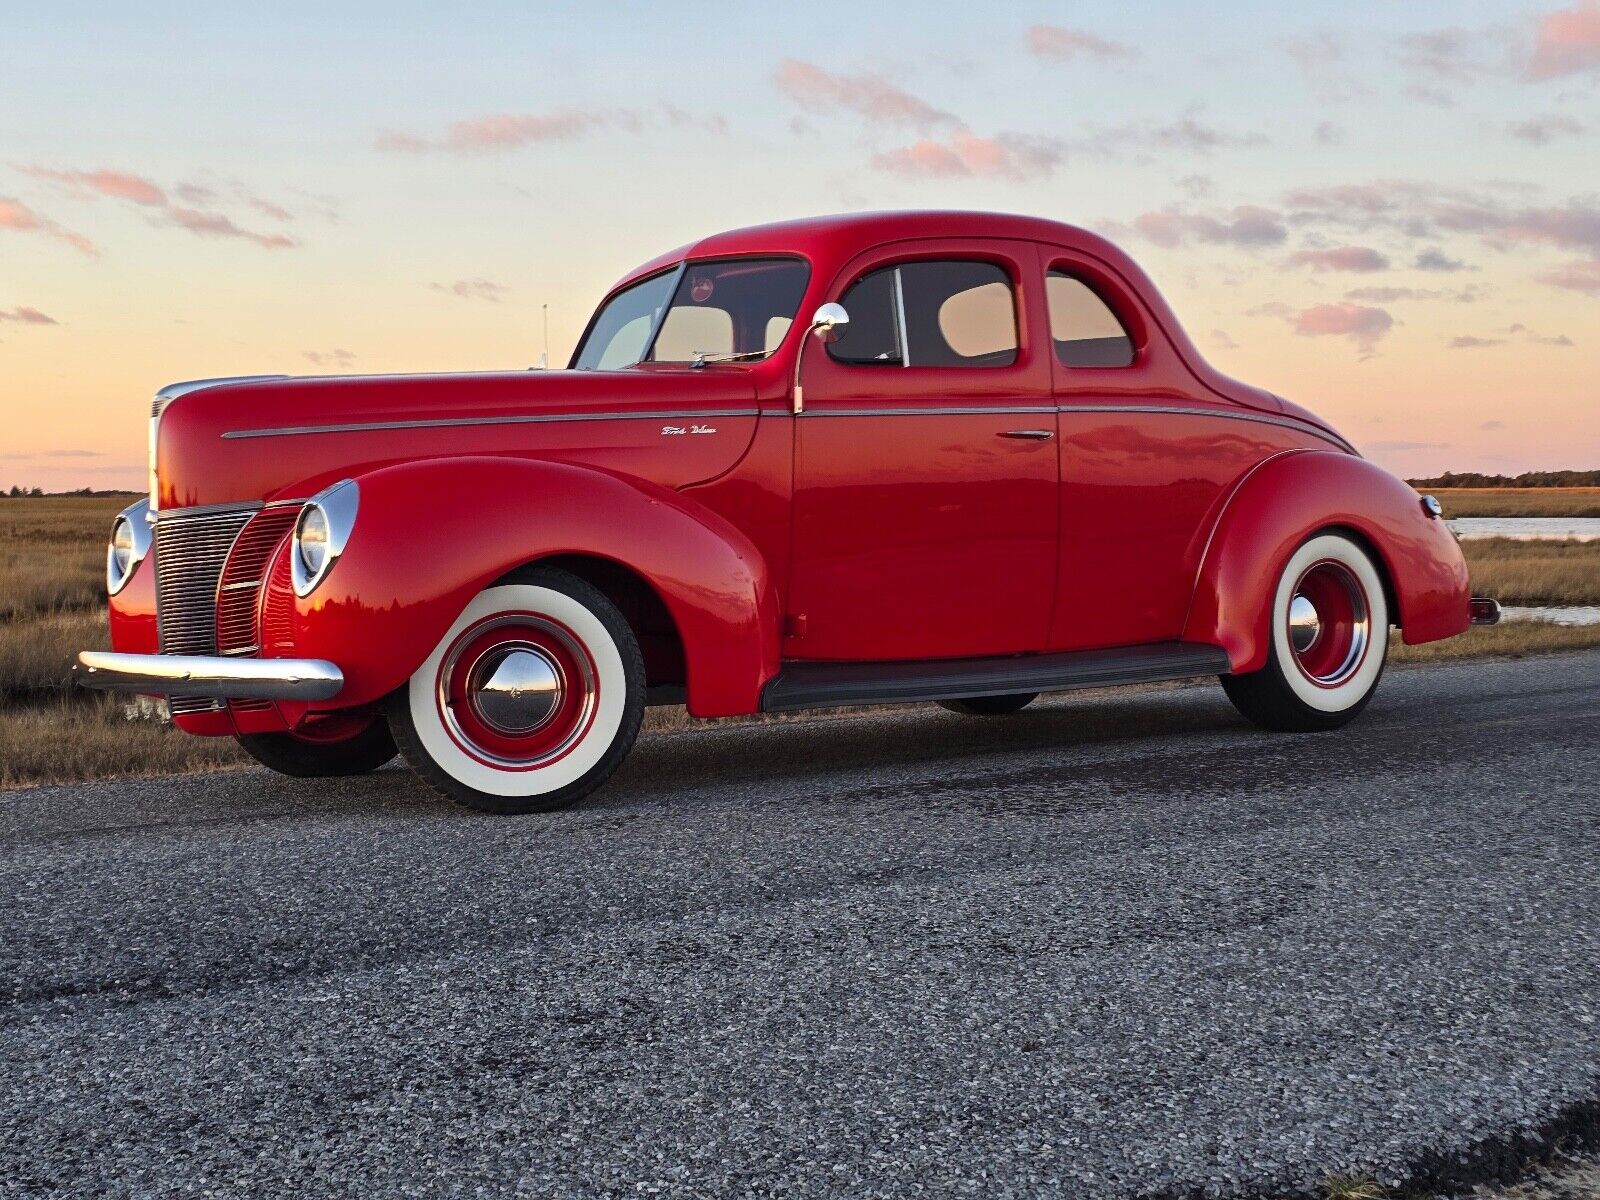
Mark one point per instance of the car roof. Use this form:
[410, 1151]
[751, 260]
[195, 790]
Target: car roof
[831, 241]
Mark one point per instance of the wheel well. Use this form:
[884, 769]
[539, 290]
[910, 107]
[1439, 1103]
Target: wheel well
[641, 606]
[1380, 563]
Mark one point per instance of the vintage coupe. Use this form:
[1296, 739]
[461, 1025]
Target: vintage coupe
[991, 465]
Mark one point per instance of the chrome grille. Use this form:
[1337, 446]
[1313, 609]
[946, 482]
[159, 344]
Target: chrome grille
[190, 552]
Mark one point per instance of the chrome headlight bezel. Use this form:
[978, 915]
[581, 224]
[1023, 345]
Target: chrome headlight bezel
[123, 561]
[335, 507]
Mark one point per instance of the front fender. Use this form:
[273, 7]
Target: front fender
[429, 536]
[1286, 500]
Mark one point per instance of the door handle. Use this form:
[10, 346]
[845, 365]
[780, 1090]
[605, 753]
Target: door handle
[1033, 435]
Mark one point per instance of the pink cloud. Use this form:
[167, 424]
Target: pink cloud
[507, 131]
[27, 316]
[472, 289]
[214, 224]
[1362, 325]
[119, 185]
[1245, 226]
[1058, 42]
[1007, 156]
[1543, 130]
[136, 189]
[18, 217]
[1582, 276]
[869, 96]
[330, 358]
[1569, 42]
[1341, 258]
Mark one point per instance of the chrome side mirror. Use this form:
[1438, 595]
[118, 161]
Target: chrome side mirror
[828, 323]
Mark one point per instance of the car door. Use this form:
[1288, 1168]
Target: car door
[925, 471]
[1148, 456]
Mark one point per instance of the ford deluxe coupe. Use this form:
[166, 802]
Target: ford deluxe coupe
[946, 457]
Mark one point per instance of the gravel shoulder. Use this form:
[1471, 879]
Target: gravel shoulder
[1112, 946]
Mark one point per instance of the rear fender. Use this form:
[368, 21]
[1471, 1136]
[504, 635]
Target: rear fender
[1289, 498]
[428, 536]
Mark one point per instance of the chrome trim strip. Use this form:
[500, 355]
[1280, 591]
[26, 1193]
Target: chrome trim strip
[1067, 409]
[530, 419]
[695, 414]
[952, 411]
[661, 317]
[210, 675]
[196, 512]
[900, 318]
[1227, 415]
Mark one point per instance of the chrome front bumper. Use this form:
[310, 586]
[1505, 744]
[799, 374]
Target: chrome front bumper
[215, 676]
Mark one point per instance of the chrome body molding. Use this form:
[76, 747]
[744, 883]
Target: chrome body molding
[210, 675]
[530, 419]
[702, 414]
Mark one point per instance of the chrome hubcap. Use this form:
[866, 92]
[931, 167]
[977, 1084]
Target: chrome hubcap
[1330, 623]
[516, 689]
[1305, 625]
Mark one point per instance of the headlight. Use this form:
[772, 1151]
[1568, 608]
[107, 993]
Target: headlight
[321, 533]
[130, 542]
[312, 543]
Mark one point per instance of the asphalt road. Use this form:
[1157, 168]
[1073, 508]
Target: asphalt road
[1112, 946]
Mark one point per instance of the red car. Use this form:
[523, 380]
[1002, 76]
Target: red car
[990, 465]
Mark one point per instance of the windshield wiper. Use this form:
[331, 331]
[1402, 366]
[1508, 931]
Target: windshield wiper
[701, 358]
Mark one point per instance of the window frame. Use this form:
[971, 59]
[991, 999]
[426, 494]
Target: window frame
[1130, 330]
[677, 271]
[910, 258]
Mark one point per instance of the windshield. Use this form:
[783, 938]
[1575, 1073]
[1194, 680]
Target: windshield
[737, 308]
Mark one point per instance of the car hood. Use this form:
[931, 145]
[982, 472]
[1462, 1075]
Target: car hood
[274, 437]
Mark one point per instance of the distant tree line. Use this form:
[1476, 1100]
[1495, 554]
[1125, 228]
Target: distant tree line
[23, 493]
[1528, 479]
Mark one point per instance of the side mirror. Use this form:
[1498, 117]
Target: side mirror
[829, 322]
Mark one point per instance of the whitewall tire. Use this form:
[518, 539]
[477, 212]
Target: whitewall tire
[529, 701]
[1329, 637]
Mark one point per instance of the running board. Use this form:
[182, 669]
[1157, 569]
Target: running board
[832, 684]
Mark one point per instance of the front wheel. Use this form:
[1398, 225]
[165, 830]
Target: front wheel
[530, 700]
[1329, 637]
[324, 747]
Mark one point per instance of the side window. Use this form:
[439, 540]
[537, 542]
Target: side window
[873, 335]
[1084, 329]
[930, 314]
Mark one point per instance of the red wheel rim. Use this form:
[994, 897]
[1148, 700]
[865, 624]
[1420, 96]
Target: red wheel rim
[1329, 623]
[517, 690]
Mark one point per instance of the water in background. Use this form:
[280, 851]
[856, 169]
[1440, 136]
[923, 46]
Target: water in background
[1583, 529]
[1562, 614]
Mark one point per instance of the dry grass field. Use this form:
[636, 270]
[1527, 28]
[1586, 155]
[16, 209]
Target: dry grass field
[1535, 572]
[52, 605]
[1519, 502]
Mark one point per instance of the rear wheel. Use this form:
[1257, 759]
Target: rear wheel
[990, 706]
[338, 744]
[530, 700]
[1329, 636]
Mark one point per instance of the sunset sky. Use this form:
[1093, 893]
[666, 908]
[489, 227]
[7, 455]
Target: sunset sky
[1388, 212]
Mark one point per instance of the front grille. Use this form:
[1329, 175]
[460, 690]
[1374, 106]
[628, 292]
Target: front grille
[243, 580]
[190, 552]
[239, 596]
